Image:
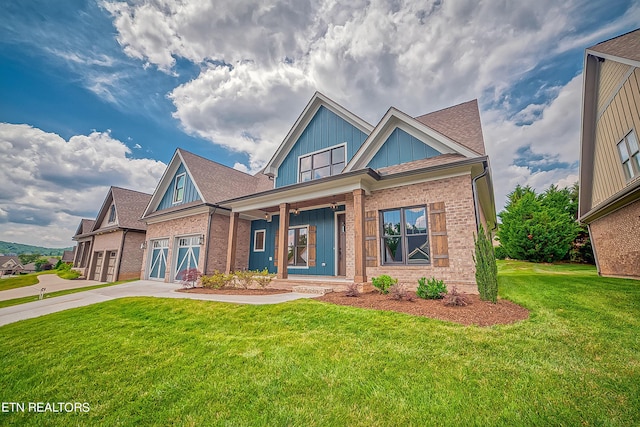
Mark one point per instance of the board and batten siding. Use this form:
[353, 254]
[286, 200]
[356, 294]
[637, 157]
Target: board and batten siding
[325, 130]
[190, 191]
[618, 118]
[400, 147]
[324, 221]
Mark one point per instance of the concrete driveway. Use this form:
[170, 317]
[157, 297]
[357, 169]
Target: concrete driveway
[139, 288]
[51, 282]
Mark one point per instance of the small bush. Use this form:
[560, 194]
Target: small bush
[263, 278]
[431, 289]
[399, 292]
[68, 274]
[189, 277]
[500, 252]
[217, 280]
[383, 283]
[245, 278]
[455, 298]
[352, 290]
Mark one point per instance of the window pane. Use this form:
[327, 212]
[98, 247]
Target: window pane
[321, 159]
[636, 158]
[337, 168]
[302, 236]
[628, 172]
[305, 164]
[259, 243]
[392, 249]
[622, 149]
[416, 220]
[391, 223]
[305, 176]
[633, 143]
[337, 155]
[418, 249]
[301, 255]
[322, 172]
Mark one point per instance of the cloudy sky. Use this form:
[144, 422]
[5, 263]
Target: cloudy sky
[99, 93]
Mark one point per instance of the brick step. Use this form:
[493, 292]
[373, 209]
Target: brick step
[311, 289]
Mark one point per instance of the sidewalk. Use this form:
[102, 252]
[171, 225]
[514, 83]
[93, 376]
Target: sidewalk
[49, 281]
[139, 288]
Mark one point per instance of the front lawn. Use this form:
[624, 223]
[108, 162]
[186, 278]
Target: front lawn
[22, 280]
[148, 361]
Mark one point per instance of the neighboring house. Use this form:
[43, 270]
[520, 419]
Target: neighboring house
[68, 256]
[84, 239]
[186, 226]
[340, 198]
[10, 265]
[610, 154]
[118, 236]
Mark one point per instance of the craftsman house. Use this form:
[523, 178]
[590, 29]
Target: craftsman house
[340, 199]
[118, 237]
[610, 154]
[9, 265]
[84, 242]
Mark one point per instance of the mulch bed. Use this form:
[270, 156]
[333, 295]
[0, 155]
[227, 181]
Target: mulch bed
[478, 312]
[234, 291]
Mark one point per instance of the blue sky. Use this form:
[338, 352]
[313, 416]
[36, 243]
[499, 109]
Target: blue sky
[99, 93]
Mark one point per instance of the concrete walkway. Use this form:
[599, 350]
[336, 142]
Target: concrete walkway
[139, 288]
[51, 282]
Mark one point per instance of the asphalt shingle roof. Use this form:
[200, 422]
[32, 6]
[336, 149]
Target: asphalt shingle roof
[130, 206]
[624, 46]
[460, 123]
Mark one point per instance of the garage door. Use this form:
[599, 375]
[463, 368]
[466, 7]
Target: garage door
[188, 253]
[97, 272]
[158, 265]
[111, 265]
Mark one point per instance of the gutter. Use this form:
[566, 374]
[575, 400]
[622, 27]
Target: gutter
[207, 240]
[474, 190]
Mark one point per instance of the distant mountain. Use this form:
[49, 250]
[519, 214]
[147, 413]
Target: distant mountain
[18, 248]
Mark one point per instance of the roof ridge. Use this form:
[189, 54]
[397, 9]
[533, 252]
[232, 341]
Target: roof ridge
[128, 189]
[613, 38]
[182, 150]
[446, 108]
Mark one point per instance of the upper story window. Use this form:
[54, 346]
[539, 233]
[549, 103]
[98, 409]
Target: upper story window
[405, 238]
[322, 163]
[630, 155]
[112, 214]
[178, 188]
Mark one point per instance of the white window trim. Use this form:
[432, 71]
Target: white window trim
[298, 267]
[175, 185]
[112, 208]
[344, 144]
[264, 239]
[635, 170]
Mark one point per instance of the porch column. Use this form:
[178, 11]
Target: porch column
[232, 243]
[360, 275]
[75, 255]
[283, 247]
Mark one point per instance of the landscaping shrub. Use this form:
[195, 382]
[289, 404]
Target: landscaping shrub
[431, 289]
[399, 292]
[383, 283]
[244, 277]
[189, 277]
[352, 290]
[486, 268]
[455, 298]
[499, 252]
[217, 280]
[263, 278]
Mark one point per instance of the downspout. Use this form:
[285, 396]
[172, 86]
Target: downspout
[124, 236]
[207, 241]
[474, 190]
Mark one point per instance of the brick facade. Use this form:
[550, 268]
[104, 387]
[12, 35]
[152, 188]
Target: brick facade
[616, 241]
[457, 195]
[217, 241]
[131, 258]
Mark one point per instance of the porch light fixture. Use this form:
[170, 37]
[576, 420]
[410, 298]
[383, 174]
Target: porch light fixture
[201, 241]
[334, 206]
[143, 245]
[296, 211]
[266, 216]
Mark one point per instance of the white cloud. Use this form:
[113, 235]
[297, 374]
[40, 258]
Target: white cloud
[52, 183]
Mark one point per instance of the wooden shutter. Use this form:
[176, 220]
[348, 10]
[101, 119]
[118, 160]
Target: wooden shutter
[371, 238]
[439, 241]
[275, 250]
[312, 246]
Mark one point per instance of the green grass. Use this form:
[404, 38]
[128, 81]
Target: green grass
[22, 280]
[23, 300]
[147, 361]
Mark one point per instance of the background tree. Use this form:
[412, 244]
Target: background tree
[538, 228]
[28, 258]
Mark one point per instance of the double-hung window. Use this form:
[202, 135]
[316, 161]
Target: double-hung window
[298, 253]
[112, 214]
[405, 237]
[630, 155]
[178, 188]
[321, 164]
